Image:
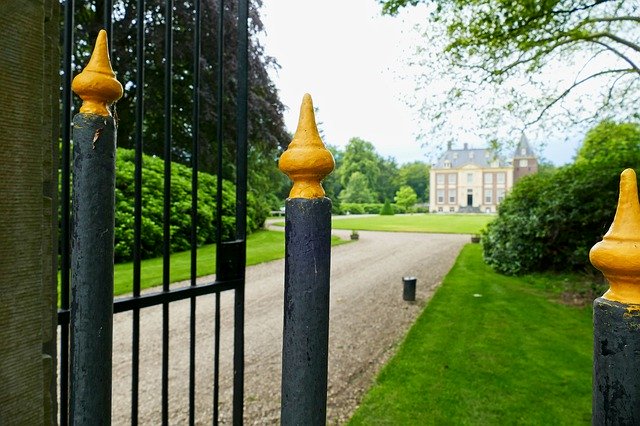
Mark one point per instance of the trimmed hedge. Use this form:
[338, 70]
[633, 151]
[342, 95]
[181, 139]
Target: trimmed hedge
[152, 207]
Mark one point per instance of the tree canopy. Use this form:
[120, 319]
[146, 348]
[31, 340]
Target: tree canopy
[523, 63]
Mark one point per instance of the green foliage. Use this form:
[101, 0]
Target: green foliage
[361, 157]
[487, 350]
[551, 220]
[152, 207]
[357, 190]
[416, 175]
[387, 210]
[554, 63]
[406, 197]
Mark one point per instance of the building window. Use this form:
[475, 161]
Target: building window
[455, 155]
[523, 151]
[471, 155]
[488, 196]
[440, 196]
[524, 163]
[451, 179]
[452, 196]
[452, 209]
[500, 195]
[469, 178]
[440, 178]
[500, 178]
[447, 164]
[440, 209]
[487, 210]
[488, 178]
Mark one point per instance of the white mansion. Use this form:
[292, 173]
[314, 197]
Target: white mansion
[476, 180]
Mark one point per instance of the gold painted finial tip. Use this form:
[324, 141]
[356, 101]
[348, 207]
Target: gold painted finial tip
[96, 84]
[618, 254]
[306, 161]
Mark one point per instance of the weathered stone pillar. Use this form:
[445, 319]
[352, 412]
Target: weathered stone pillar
[29, 87]
[616, 315]
[307, 268]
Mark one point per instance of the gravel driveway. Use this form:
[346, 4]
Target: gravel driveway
[368, 319]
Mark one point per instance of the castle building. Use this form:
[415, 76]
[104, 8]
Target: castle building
[477, 180]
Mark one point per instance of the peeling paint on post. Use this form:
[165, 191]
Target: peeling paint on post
[616, 315]
[307, 268]
[94, 152]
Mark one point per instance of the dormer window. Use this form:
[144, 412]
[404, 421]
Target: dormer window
[455, 155]
[471, 155]
[447, 164]
[523, 151]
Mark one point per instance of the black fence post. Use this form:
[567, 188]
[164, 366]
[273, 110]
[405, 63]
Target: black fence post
[94, 152]
[307, 266]
[616, 315]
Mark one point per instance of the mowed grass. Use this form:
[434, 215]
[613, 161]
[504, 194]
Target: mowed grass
[435, 223]
[262, 246]
[487, 350]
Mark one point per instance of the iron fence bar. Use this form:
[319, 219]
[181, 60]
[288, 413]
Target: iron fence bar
[241, 207]
[194, 208]
[219, 136]
[126, 304]
[108, 22]
[166, 279]
[137, 209]
[65, 199]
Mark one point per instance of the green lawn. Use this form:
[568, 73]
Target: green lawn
[262, 246]
[488, 350]
[438, 223]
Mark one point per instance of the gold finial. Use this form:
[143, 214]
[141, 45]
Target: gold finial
[306, 161]
[618, 254]
[97, 84]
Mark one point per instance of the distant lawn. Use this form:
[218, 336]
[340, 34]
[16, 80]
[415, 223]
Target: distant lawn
[437, 223]
[488, 350]
[262, 246]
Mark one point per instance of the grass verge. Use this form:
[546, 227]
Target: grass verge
[435, 223]
[488, 349]
[262, 246]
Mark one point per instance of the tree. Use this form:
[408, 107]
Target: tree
[502, 53]
[357, 190]
[416, 175]
[361, 157]
[406, 197]
[611, 143]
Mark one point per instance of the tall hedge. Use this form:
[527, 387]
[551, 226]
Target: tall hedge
[152, 207]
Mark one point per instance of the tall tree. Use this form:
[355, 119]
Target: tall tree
[611, 144]
[416, 175]
[360, 156]
[357, 190]
[266, 130]
[506, 60]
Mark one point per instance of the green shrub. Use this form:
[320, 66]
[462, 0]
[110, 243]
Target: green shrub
[551, 221]
[152, 207]
[387, 210]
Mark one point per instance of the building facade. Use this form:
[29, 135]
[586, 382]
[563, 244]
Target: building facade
[477, 180]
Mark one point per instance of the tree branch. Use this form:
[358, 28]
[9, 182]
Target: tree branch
[619, 54]
[614, 38]
[573, 86]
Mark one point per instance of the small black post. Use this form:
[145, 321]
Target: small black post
[409, 288]
[616, 315]
[94, 152]
[307, 269]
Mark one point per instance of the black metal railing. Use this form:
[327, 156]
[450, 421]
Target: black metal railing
[230, 254]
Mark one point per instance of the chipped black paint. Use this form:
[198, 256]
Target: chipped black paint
[306, 311]
[92, 269]
[616, 364]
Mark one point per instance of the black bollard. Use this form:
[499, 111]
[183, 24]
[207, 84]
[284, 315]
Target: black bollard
[92, 243]
[616, 315]
[409, 289]
[305, 346]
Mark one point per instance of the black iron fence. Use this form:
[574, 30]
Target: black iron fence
[230, 255]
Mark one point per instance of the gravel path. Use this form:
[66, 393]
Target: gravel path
[368, 319]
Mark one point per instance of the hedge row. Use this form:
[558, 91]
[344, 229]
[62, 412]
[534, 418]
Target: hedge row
[180, 226]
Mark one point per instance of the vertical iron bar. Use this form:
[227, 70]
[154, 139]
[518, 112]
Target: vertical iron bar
[168, 96]
[65, 199]
[194, 209]
[137, 209]
[219, 136]
[241, 206]
[108, 22]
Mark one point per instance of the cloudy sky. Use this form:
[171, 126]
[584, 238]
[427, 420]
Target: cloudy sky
[353, 62]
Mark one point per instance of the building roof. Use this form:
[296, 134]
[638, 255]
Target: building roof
[460, 157]
[524, 150]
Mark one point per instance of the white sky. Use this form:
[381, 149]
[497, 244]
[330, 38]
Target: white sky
[352, 61]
